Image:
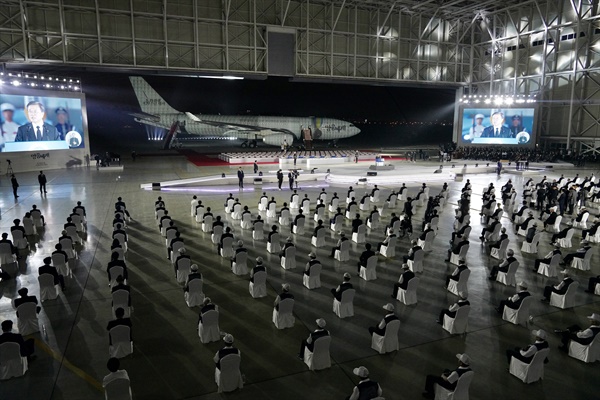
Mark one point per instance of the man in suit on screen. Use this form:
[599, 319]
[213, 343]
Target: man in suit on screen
[36, 130]
[497, 129]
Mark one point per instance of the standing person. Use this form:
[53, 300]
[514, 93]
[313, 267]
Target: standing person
[42, 181]
[133, 155]
[499, 167]
[15, 184]
[279, 178]
[295, 158]
[291, 179]
[356, 157]
[255, 167]
[240, 175]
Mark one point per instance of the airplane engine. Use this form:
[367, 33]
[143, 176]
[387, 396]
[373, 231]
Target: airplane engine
[278, 139]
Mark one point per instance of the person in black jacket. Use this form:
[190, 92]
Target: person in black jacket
[345, 285]
[388, 317]
[365, 255]
[309, 343]
[27, 347]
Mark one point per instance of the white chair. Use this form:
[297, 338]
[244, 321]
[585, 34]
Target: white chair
[323, 196]
[434, 224]
[416, 264]
[556, 226]
[208, 328]
[391, 203]
[389, 251]
[239, 266]
[403, 195]
[495, 235]
[171, 234]
[6, 255]
[351, 194]
[374, 198]
[532, 372]
[364, 205]
[345, 307]
[159, 214]
[313, 281]
[246, 221]
[272, 211]
[12, 365]
[550, 270]
[284, 218]
[368, 272]
[339, 221]
[284, 317]
[227, 249]
[500, 253]
[523, 232]
[461, 285]
[508, 278]
[319, 358]
[228, 205]
[583, 222]
[118, 389]
[61, 264]
[258, 288]
[465, 235]
[67, 246]
[78, 221]
[373, 221]
[120, 299]
[258, 233]
[360, 235]
[119, 236]
[389, 341]
[27, 320]
[29, 226]
[164, 225]
[343, 254]
[306, 205]
[114, 273]
[288, 261]
[262, 205]
[459, 323]
[48, 290]
[409, 296]
[36, 215]
[175, 250]
[122, 345]
[351, 211]
[462, 255]
[589, 353]
[215, 237]
[19, 241]
[207, 224]
[566, 300]
[199, 213]
[461, 391]
[319, 214]
[519, 316]
[319, 240]
[194, 296]
[582, 263]
[237, 212]
[426, 244]
[533, 246]
[295, 201]
[593, 238]
[229, 377]
[298, 228]
[183, 269]
[274, 246]
[566, 241]
[335, 203]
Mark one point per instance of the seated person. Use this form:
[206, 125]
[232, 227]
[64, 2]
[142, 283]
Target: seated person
[411, 252]
[259, 267]
[364, 257]
[345, 285]
[449, 379]
[581, 336]
[503, 266]
[526, 354]
[451, 311]
[120, 320]
[402, 283]
[560, 289]
[27, 347]
[455, 276]
[514, 302]
[456, 249]
[309, 342]
[386, 241]
[388, 317]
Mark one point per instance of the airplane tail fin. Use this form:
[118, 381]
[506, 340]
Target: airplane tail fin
[149, 99]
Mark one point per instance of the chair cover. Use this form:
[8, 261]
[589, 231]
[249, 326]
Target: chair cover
[313, 281]
[351, 194]
[359, 237]
[27, 322]
[227, 249]
[500, 253]
[508, 278]
[120, 299]
[208, 328]
[389, 341]
[194, 296]
[566, 300]
[533, 246]
[207, 224]
[391, 203]
[258, 232]
[460, 285]
[122, 345]
[229, 377]
[345, 307]
[368, 272]
[351, 211]
[373, 221]
[12, 365]
[459, 323]
[335, 203]
[36, 215]
[19, 241]
[258, 288]
[228, 205]
[6, 255]
[246, 221]
[48, 290]
[531, 372]
[272, 211]
[519, 316]
[240, 264]
[582, 263]
[295, 201]
[343, 254]
[29, 226]
[318, 358]
[409, 296]
[60, 262]
[455, 258]
[274, 246]
[118, 389]
[183, 269]
[298, 228]
[589, 353]
[556, 226]
[319, 214]
[119, 236]
[416, 264]
[583, 222]
[426, 244]
[319, 240]
[461, 392]
[337, 224]
[306, 205]
[216, 235]
[284, 218]
[284, 317]
[566, 241]
[288, 261]
[389, 251]
[237, 212]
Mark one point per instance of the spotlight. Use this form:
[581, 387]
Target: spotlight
[487, 101]
[16, 83]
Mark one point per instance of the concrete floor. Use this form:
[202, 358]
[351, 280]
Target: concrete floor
[169, 362]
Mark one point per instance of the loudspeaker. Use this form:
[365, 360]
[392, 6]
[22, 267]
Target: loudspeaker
[437, 171]
[258, 181]
[371, 173]
[362, 180]
[155, 185]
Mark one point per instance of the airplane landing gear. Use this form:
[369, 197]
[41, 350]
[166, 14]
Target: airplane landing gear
[251, 144]
[244, 144]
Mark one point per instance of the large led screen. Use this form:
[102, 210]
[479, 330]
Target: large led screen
[40, 123]
[494, 126]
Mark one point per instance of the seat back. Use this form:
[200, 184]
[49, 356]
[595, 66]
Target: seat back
[118, 389]
[58, 259]
[227, 243]
[348, 296]
[5, 249]
[119, 236]
[557, 222]
[120, 298]
[503, 247]
[315, 270]
[272, 207]
[16, 235]
[335, 203]
[569, 234]
[47, 288]
[210, 318]
[512, 268]
[176, 247]
[241, 258]
[195, 286]
[392, 201]
[371, 263]
[258, 226]
[208, 220]
[352, 209]
[306, 204]
[218, 230]
[11, 362]
[260, 278]
[120, 334]
[228, 205]
[434, 222]
[263, 203]
[463, 279]
[462, 386]
[286, 306]
[237, 208]
[413, 284]
[463, 251]
[285, 214]
[247, 218]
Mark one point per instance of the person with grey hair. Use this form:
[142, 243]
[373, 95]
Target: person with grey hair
[226, 350]
[503, 266]
[514, 301]
[455, 276]
[309, 342]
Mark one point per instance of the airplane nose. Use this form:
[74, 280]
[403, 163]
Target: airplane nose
[355, 131]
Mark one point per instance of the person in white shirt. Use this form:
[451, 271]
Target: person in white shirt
[526, 354]
[581, 336]
[366, 388]
[9, 127]
[448, 379]
[113, 365]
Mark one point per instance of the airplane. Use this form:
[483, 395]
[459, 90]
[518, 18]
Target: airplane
[275, 131]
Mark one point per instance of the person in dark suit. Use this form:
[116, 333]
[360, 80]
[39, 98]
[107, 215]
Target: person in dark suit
[411, 252]
[42, 181]
[345, 285]
[578, 335]
[120, 320]
[15, 184]
[259, 267]
[36, 130]
[356, 222]
[451, 311]
[547, 258]
[309, 343]
[342, 238]
[455, 276]
[279, 178]
[26, 346]
[225, 351]
[240, 174]
[194, 274]
[497, 129]
[364, 257]
[402, 283]
[387, 318]
[514, 302]
[47, 268]
[207, 305]
[503, 266]
[285, 294]
[25, 298]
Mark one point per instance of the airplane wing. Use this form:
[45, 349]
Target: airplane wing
[237, 127]
[145, 116]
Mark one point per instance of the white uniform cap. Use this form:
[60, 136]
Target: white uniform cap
[7, 107]
[479, 116]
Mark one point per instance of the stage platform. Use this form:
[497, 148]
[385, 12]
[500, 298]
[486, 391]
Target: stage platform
[302, 156]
